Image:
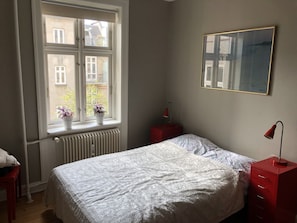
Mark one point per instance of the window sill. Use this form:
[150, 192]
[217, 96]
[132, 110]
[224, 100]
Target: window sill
[57, 130]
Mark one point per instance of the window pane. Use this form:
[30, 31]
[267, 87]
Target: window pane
[210, 40]
[59, 30]
[96, 33]
[97, 83]
[225, 44]
[62, 66]
[220, 74]
[208, 73]
[223, 73]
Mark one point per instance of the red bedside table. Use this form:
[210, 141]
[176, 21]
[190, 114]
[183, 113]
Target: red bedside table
[165, 131]
[273, 192]
[9, 182]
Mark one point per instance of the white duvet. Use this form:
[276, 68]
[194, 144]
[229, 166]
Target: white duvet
[158, 183]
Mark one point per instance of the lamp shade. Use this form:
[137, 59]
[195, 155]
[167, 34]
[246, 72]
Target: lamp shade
[166, 113]
[270, 133]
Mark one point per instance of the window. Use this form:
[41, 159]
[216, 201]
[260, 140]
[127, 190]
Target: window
[83, 47]
[92, 29]
[91, 68]
[60, 75]
[208, 73]
[58, 35]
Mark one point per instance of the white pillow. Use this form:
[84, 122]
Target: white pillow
[7, 160]
[204, 147]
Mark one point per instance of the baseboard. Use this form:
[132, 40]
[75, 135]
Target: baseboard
[34, 188]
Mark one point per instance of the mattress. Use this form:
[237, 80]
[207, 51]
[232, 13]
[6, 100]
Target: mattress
[162, 182]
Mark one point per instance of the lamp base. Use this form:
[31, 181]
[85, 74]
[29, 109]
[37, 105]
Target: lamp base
[280, 162]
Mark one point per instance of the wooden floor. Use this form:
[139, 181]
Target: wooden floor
[34, 212]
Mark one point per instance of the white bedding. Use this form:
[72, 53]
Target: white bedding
[162, 182]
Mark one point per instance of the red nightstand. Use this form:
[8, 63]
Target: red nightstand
[165, 131]
[273, 192]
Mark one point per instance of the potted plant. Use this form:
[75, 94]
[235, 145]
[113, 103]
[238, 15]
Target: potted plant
[99, 113]
[66, 115]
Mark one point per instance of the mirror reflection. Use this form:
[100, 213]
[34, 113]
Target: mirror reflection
[238, 60]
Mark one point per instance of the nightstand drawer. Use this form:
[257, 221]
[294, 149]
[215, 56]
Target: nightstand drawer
[261, 201]
[263, 178]
[260, 218]
[263, 191]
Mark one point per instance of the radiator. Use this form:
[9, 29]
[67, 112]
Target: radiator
[85, 145]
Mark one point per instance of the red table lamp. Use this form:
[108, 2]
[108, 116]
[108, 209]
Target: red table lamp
[270, 134]
[166, 113]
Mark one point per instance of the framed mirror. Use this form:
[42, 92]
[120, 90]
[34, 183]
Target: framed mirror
[238, 60]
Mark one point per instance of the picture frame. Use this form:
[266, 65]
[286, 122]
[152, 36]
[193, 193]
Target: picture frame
[238, 60]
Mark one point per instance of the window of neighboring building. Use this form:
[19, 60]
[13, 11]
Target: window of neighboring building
[60, 74]
[91, 68]
[58, 35]
[218, 61]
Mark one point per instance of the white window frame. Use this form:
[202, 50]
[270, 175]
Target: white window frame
[119, 117]
[60, 75]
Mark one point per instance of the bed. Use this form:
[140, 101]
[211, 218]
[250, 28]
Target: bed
[184, 179]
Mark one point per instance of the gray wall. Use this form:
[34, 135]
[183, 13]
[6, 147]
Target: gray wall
[10, 135]
[235, 121]
[148, 63]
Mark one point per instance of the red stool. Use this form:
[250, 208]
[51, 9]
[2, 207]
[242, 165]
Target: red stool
[9, 182]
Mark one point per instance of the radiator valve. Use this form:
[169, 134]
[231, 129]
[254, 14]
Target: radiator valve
[92, 150]
[57, 139]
